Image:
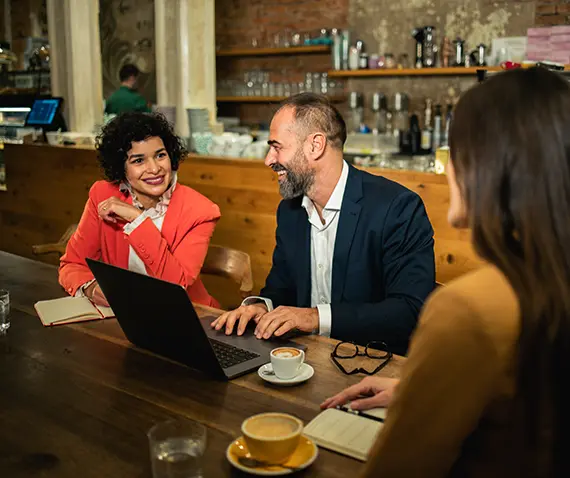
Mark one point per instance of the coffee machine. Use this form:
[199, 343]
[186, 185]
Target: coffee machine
[426, 47]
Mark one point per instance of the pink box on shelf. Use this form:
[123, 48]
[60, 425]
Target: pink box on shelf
[560, 30]
[539, 32]
[556, 39]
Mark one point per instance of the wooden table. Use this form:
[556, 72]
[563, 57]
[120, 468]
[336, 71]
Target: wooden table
[78, 400]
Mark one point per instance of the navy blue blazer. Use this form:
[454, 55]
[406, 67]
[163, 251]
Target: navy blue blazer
[383, 265]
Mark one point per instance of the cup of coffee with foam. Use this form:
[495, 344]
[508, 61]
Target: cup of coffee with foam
[272, 437]
[287, 362]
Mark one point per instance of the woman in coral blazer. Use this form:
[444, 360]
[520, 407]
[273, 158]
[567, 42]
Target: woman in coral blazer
[140, 218]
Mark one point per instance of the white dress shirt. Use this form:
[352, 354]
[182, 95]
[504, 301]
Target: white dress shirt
[323, 238]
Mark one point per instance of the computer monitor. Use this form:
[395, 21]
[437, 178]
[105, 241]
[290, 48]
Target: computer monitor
[44, 113]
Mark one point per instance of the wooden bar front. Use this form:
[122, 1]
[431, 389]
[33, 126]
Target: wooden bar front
[48, 187]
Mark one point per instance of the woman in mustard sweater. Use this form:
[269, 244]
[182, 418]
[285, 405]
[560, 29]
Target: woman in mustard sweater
[484, 392]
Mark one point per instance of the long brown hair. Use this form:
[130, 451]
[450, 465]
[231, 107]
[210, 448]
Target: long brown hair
[510, 146]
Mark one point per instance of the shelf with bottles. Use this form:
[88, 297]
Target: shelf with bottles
[259, 86]
[395, 126]
[274, 51]
[266, 99]
[281, 43]
[450, 71]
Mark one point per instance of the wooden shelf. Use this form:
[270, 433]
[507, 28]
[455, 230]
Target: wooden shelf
[265, 99]
[292, 50]
[452, 71]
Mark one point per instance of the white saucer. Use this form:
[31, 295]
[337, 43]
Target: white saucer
[305, 374]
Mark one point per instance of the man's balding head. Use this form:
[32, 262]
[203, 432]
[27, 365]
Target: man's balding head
[314, 113]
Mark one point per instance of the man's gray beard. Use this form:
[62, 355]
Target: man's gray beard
[296, 184]
[298, 180]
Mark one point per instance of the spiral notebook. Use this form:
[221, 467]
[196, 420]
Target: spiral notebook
[69, 310]
[347, 432]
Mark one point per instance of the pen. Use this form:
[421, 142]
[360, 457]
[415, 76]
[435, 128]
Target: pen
[359, 413]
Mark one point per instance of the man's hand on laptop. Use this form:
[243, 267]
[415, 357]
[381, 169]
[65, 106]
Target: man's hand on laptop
[283, 319]
[240, 316]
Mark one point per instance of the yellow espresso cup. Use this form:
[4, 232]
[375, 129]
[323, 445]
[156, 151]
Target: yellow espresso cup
[272, 437]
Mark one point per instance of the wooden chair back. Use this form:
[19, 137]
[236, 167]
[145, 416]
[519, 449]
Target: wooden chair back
[230, 264]
[220, 261]
[58, 246]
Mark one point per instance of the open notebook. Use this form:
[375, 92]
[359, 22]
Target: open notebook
[345, 432]
[69, 310]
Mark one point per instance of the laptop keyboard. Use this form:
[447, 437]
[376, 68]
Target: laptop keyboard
[228, 355]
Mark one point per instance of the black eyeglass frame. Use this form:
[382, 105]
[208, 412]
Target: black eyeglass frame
[357, 353]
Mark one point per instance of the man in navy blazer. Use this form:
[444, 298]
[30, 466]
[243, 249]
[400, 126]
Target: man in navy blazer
[354, 253]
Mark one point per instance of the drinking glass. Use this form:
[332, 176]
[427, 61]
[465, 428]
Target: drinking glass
[316, 83]
[4, 311]
[176, 449]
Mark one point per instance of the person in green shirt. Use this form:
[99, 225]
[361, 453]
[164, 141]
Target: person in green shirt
[126, 98]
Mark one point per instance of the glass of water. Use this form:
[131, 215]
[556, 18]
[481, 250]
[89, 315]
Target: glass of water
[176, 449]
[4, 311]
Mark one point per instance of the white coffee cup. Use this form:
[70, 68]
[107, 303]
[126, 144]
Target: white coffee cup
[287, 362]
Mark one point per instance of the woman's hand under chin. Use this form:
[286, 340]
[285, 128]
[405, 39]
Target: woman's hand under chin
[115, 210]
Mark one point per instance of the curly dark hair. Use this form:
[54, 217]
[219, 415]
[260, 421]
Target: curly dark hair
[114, 141]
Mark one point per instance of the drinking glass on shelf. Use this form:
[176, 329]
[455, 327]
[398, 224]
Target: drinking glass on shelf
[309, 82]
[403, 61]
[286, 38]
[4, 311]
[277, 40]
[250, 89]
[316, 83]
[324, 84]
[279, 90]
[294, 87]
[296, 39]
[176, 449]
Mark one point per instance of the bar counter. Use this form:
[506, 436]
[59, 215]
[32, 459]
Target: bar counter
[47, 187]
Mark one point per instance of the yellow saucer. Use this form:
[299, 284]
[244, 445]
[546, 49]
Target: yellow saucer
[304, 456]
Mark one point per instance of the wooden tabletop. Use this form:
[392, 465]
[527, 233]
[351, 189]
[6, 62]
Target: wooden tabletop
[78, 400]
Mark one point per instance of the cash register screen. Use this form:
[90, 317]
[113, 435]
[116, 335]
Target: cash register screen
[43, 112]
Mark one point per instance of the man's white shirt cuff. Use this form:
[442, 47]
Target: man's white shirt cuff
[256, 298]
[325, 319]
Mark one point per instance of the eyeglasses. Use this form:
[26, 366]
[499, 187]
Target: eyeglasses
[349, 350]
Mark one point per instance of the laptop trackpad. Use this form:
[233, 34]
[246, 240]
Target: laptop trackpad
[247, 341]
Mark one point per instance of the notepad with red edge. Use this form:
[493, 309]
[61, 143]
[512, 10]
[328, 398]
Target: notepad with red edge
[346, 433]
[70, 310]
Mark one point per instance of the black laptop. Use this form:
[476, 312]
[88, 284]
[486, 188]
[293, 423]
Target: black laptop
[158, 316]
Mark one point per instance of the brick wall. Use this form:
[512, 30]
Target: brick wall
[384, 25]
[238, 22]
[552, 12]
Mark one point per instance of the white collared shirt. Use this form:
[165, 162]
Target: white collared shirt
[323, 238]
[155, 214]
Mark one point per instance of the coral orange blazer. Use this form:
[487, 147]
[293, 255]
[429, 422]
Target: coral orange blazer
[176, 254]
